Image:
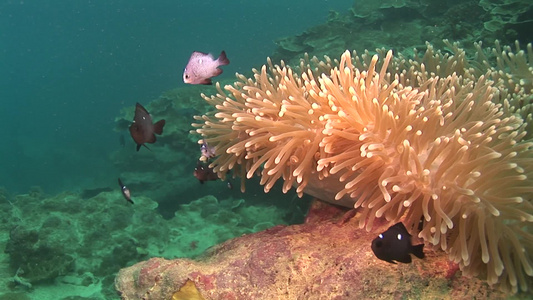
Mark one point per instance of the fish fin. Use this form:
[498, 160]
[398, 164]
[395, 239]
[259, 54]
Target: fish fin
[217, 72]
[400, 226]
[406, 260]
[207, 81]
[201, 54]
[418, 251]
[130, 201]
[139, 147]
[222, 59]
[120, 183]
[134, 131]
[158, 127]
[152, 139]
[141, 108]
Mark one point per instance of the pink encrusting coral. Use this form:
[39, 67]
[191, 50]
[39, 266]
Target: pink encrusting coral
[432, 138]
[322, 259]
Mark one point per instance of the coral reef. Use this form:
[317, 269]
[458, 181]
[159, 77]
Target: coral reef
[507, 14]
[39, 261]
[430, 137]
[407, 24]
[82, 242]
[14, 296]
[323, 259]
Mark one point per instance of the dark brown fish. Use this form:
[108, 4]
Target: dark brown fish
[395, 245]
[142, 130]
[125, 191]
[202, 66]
[204, 173]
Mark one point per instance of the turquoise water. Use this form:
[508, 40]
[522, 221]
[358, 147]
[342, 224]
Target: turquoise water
[68, 67]
[71, 73]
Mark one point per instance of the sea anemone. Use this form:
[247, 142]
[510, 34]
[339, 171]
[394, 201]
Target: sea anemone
[432, 138]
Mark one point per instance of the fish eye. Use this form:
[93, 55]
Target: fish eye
[186, 76]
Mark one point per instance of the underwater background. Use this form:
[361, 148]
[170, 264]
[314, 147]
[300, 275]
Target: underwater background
[69, 67]
[72, 72]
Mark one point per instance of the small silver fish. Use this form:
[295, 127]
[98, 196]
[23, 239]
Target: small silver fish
[125, 191]
[202, 66]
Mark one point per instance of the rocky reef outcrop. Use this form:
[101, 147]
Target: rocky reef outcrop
[328, 257]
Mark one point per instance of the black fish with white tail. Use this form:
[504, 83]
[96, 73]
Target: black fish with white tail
[125, 191]
[202, 67]
[395, 245]
[142, 129]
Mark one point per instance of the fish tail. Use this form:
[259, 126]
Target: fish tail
[158, 127]
[222, 59]
[418, 251]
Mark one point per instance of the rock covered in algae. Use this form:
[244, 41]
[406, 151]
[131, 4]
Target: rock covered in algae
[328, 257]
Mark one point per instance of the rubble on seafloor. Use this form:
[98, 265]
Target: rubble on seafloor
[327, 257]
